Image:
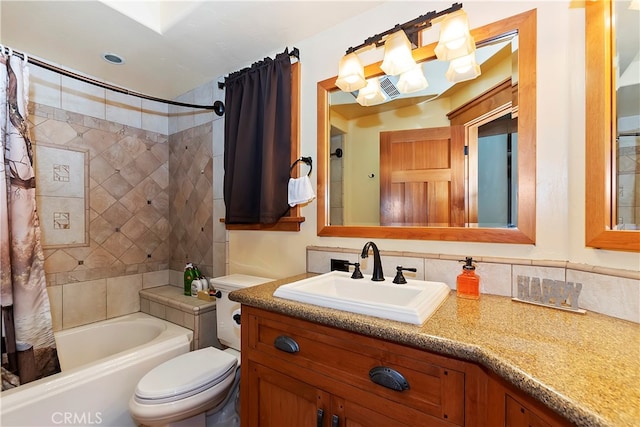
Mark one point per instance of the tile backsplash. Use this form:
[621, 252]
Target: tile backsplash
[611, 292]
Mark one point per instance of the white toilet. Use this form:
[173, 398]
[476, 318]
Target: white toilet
[199, 388]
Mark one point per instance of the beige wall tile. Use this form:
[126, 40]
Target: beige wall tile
[155, 116]
[174, 315]
[84, 302]
[613, 296]
[44, 86]
[123, 108]
[442, 270]
[123, 295]
[157, 309]
[155, 278]
[80, 97]
[55, 303]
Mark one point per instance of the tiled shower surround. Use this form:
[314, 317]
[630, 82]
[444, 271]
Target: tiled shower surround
[190, 186]
[141, 222]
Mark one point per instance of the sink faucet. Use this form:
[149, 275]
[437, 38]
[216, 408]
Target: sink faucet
[377, 263]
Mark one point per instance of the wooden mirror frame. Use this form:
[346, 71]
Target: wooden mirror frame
[599, 131]
[525, 233]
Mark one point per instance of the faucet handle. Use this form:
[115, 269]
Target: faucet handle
[357, 274]
[399, 279]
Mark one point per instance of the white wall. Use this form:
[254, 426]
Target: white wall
[560, 143]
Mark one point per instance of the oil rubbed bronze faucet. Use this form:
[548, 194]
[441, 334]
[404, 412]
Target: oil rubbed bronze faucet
[377, 263]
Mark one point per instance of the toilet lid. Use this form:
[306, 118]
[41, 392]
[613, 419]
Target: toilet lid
[185, 375]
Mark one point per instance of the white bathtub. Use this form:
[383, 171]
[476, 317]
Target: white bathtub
[101, 365]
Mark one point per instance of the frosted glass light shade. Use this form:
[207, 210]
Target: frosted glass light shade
[455, 40]
[371, 94]
[350, 73]
[397, 54]
[464, 68]
[412, 80]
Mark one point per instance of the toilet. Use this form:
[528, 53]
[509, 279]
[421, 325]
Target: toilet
[199, 388]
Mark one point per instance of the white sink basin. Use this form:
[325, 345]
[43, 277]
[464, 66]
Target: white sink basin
[412, 302]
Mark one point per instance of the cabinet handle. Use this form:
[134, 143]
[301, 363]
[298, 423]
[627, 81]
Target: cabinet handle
[389, 378]
[320, 418]
[335, 421]
[286, 344]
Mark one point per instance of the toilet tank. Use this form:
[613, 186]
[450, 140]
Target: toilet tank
[228, 327]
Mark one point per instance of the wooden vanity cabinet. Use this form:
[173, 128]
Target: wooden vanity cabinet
[329, 374]
[509, 407]
[297, 373]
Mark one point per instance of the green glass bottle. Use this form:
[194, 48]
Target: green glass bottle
[189, 275]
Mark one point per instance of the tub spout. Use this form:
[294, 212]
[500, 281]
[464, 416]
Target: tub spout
[378, 276]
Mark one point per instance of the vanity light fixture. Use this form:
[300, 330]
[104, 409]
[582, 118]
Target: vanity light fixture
[463, 68]
[397, 54]
[412, 80]
[351, 73]
[455, 39]
[455, 42]
[371, 94]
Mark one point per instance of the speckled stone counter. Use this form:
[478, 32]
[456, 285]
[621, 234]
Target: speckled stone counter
[585, 367]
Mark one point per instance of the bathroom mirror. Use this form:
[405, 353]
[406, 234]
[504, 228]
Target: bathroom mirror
[612, 90]
[504, 103]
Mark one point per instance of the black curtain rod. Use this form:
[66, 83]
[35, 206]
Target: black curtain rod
[295, 53]
[103, 85]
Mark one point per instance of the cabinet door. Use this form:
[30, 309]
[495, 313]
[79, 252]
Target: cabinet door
[355, 415]
[518, 415]
[277, 400]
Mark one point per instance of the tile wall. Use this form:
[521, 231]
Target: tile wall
[138, 230]
[608, 291]
[191, 222]
[128, 215]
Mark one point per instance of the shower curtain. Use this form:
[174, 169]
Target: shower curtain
[28, 344]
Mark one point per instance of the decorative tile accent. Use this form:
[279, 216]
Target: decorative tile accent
[61, 184]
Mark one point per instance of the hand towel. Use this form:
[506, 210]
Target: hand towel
[300, 191]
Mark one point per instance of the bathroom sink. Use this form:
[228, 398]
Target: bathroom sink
[413, 302]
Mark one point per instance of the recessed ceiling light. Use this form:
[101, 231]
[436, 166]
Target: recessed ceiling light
[113, 58]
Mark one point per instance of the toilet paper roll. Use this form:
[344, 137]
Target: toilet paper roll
[233, 316]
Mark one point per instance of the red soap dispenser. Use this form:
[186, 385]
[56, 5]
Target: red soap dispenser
[468, 283]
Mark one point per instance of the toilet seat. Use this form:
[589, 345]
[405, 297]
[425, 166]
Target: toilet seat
[185, 376]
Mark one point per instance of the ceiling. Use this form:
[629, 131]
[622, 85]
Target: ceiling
[179, 45]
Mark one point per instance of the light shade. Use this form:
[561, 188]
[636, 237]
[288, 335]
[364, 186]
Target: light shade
[412, 80]
[371, 94]
[350, 73]
[397, 54]
[464, 68]
[455, 39]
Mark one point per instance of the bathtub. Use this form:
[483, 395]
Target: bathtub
[101, 364]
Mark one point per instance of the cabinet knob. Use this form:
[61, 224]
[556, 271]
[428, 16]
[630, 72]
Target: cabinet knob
[286, 344]
[335, 421]
[389, 378]
[320, 417]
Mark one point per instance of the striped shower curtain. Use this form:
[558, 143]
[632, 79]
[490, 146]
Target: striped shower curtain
[28, 344]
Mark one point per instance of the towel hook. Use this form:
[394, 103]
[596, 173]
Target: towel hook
[307, 160]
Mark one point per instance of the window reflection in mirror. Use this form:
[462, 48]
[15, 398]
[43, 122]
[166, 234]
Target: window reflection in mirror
[400, 167]
[626, 66]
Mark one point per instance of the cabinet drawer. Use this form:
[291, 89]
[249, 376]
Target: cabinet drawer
[435, 386]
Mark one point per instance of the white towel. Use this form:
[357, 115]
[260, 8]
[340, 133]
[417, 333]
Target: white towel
[300, 191]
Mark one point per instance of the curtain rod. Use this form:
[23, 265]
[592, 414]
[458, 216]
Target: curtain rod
[103, 85]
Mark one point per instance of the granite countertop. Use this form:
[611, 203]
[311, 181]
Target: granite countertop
[584, 366]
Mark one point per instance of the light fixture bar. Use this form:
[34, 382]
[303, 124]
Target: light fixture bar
[411, 28]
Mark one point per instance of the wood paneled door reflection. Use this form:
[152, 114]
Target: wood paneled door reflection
[422, 177]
